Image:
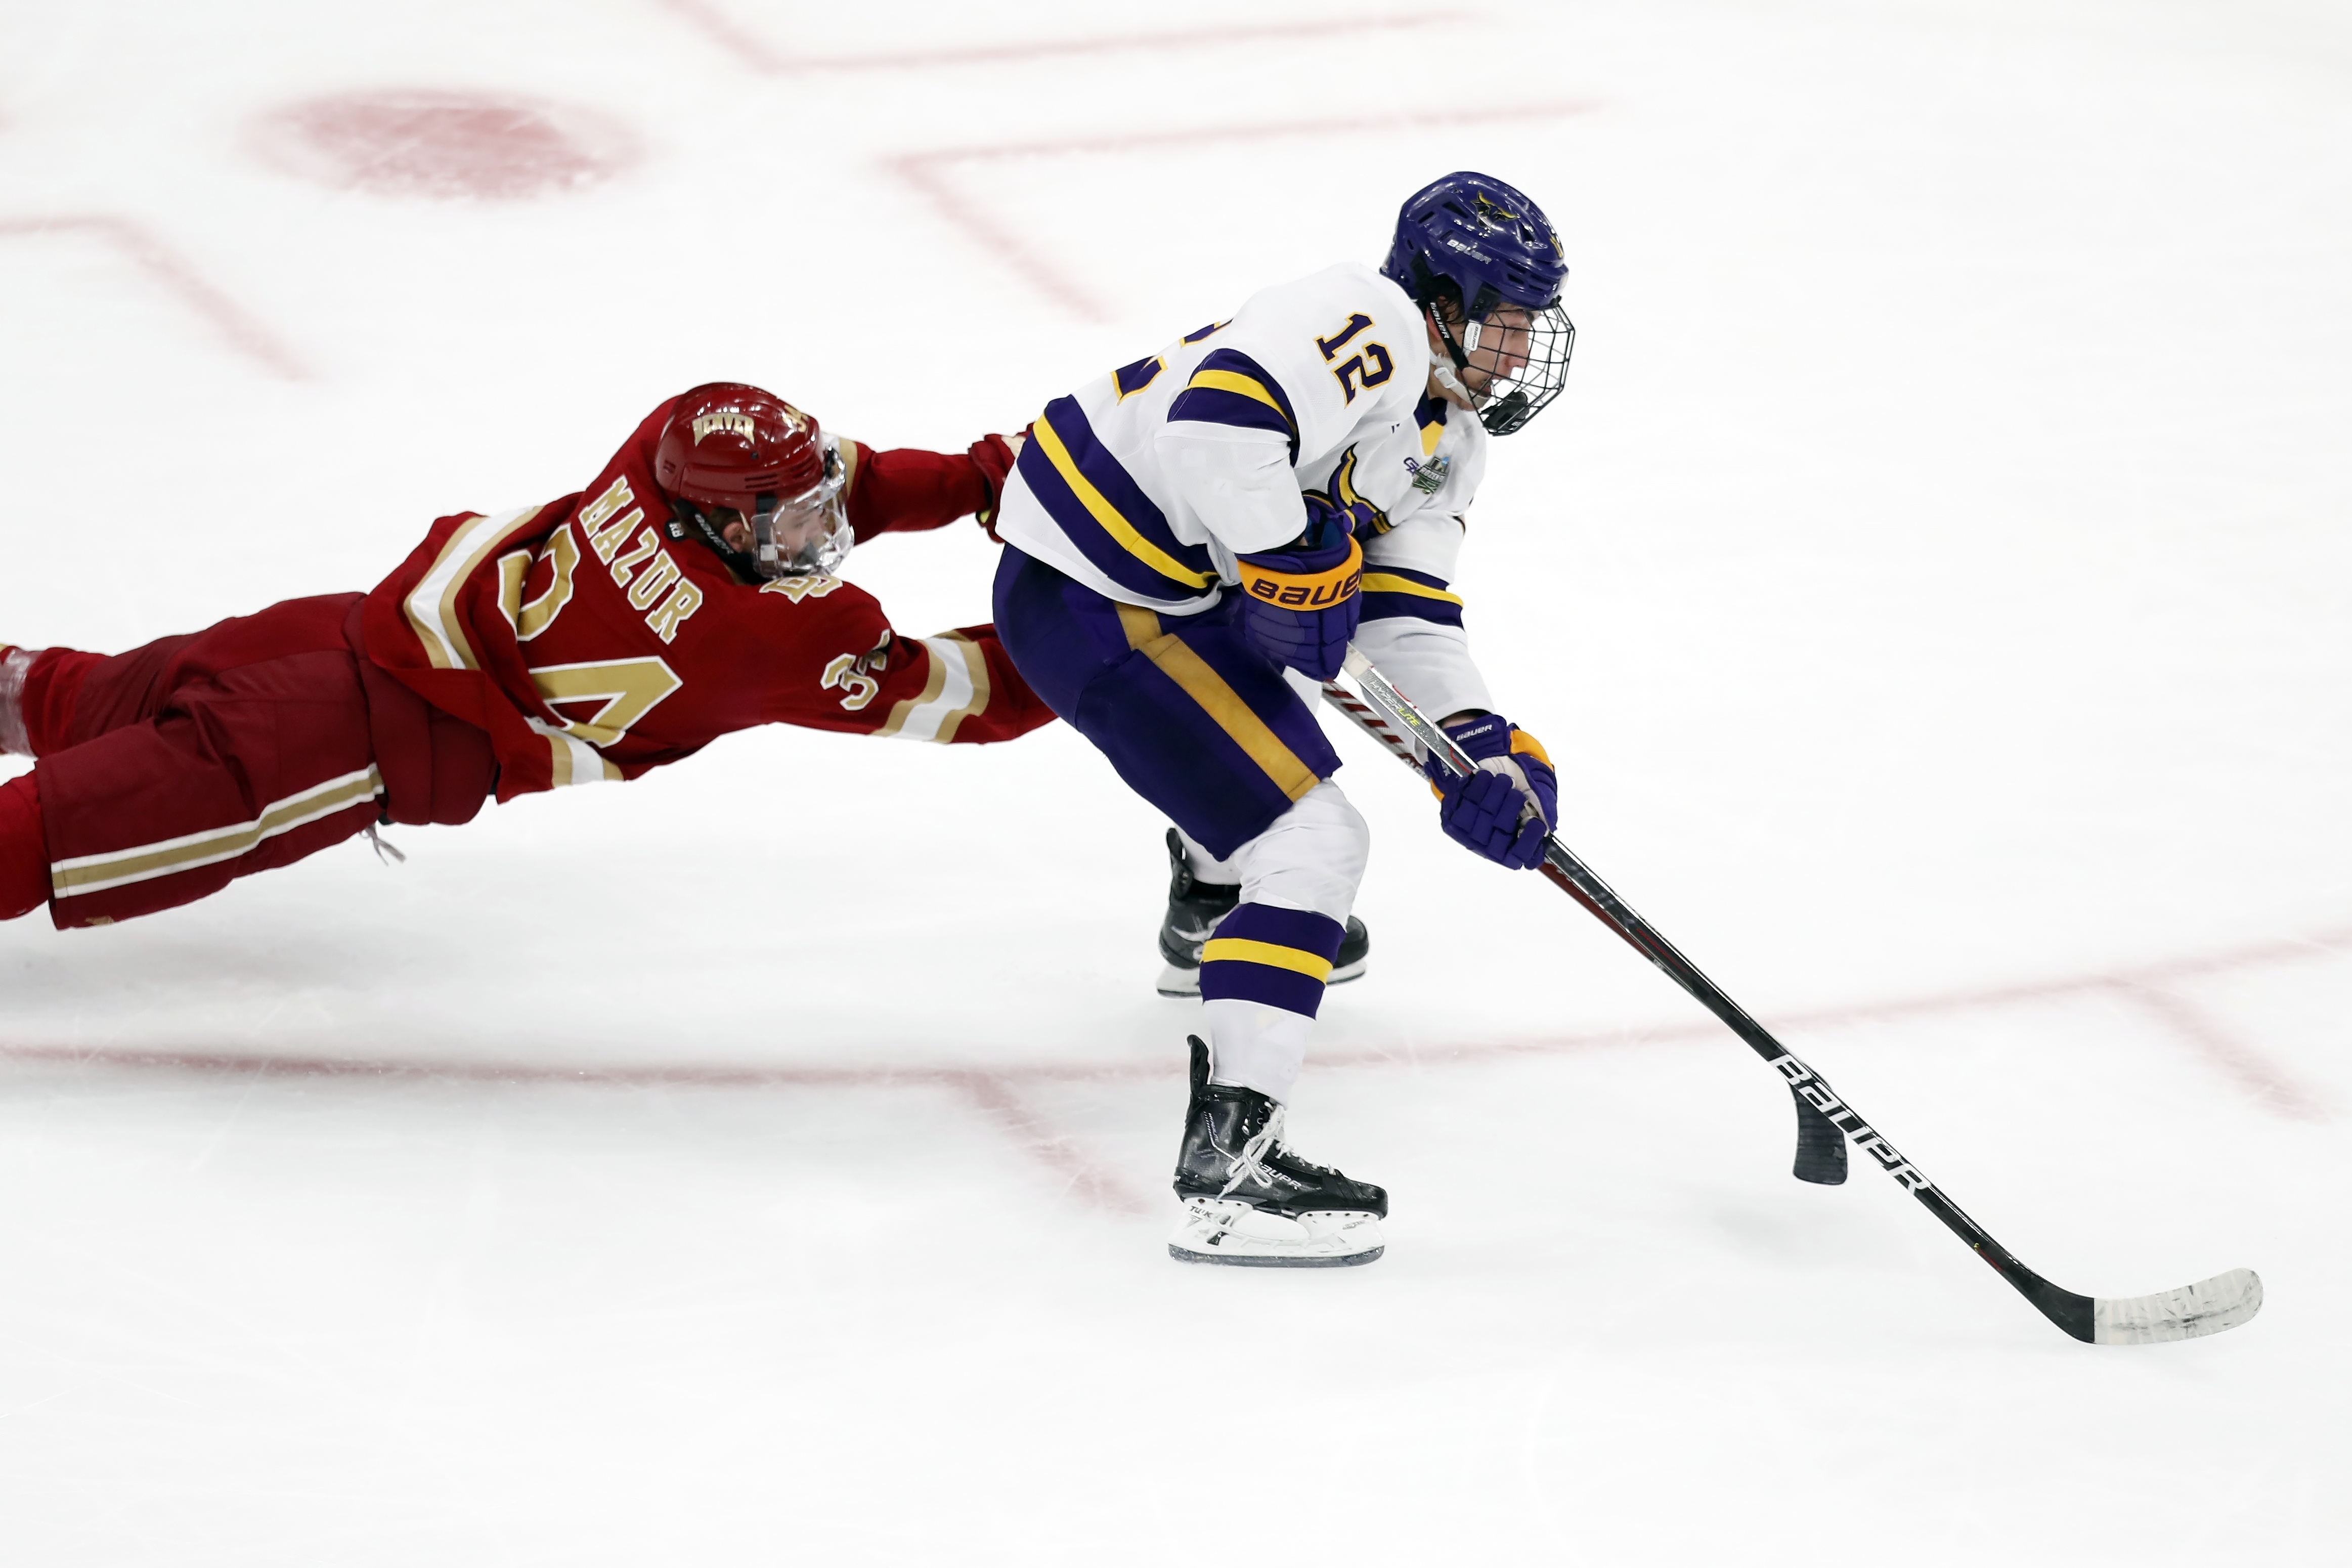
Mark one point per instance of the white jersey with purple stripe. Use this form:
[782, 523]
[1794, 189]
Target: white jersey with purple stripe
[1145, 484]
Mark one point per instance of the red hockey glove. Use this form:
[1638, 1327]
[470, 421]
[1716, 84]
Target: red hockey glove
[994, 457]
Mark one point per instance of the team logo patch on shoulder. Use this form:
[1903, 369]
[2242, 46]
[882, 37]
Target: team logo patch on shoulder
[814, 585]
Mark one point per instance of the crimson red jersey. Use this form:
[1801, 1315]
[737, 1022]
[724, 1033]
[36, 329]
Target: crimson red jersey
[594, 642]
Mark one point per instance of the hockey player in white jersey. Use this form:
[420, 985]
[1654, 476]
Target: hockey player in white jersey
[1193, 542]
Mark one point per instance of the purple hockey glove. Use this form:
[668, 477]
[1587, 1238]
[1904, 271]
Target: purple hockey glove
[1299, 604]
[1504, 810]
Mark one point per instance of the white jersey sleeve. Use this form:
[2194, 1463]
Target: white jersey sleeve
[1273, 399]
[1238, 481]
[1412, 625]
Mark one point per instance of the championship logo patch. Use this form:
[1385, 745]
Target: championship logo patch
[1429, 478]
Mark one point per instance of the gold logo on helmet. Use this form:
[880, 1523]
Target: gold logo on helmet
[1493, 216]
[727, 422]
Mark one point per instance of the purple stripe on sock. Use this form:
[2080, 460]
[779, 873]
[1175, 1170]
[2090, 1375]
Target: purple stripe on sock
[1283, 988]
[1301, 929]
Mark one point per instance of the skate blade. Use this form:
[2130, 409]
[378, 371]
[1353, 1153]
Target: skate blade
[1219, 1230]
[1175, 981]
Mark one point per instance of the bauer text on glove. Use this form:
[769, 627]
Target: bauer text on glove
[1300, 603]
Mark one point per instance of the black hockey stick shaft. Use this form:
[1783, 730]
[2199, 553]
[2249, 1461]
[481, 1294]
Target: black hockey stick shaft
[2063, 1308]
[1821, 1148]
[2070, 1312]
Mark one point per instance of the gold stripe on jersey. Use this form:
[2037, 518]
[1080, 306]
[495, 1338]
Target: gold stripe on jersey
[975, 665]
[92, 873]
[432, 606]
[571, 761]
[1223, 704]
[934, 679]
[955, 687]
[1098, 507]
[1243, 950]
[1389, 583]
[1241, 385]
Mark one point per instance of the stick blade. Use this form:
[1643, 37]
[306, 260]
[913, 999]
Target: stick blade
[1821, 1147]
[2190, 1313]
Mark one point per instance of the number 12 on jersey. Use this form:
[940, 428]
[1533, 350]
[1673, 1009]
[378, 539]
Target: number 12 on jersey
[1366, 368]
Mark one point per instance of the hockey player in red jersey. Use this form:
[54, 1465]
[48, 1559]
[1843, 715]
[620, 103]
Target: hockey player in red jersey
[687, 592]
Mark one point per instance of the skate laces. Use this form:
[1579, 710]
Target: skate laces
[1250, 1164]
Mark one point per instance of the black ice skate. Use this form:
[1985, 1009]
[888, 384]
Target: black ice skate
[1248, 1199]
[1196, 907]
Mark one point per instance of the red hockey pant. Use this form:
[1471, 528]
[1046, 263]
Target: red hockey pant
[167, 772]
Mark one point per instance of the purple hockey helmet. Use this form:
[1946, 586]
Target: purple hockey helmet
[1498, 252]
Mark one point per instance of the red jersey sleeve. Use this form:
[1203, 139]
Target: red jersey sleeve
[836, 664]
[908, 490]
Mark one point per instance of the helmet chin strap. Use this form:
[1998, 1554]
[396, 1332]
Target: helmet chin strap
[686, 514]
[1449, 377]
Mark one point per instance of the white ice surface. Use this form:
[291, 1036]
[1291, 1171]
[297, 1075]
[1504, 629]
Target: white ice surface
[1932, 585]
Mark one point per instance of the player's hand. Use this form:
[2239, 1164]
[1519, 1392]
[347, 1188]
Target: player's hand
[994, 457]
[1300, 603]
[1504, 809]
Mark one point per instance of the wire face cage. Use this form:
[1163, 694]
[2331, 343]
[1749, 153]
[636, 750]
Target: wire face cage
[1526, 353]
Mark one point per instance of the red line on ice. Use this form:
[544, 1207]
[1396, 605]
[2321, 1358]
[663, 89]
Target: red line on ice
[2255, 1073]
[996, 1093]
[179, 276]
[752, 51]
[2134, 984]
[2150, 987]
[924, 172]
[720, 28]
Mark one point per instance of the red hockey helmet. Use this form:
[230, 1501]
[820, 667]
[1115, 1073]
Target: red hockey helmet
[730, 445]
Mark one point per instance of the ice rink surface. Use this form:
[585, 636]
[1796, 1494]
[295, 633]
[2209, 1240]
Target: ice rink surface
[1932, 584]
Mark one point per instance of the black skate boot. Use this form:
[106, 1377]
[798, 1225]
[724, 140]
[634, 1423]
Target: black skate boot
[1248, 1199]
[1196, 907]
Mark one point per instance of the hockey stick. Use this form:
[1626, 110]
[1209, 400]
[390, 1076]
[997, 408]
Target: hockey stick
[1821, 1147]
[2190, 1313]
